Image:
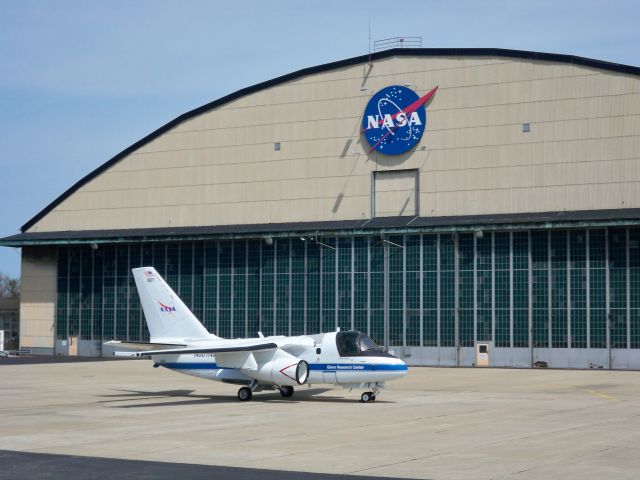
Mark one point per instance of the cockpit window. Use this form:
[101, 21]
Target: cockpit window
[347, 343]
[367, 344]
[355, 343]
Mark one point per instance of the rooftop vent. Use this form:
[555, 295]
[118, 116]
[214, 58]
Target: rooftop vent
[397, 42]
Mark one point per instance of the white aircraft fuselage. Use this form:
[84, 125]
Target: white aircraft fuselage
[349, 358]
[325, 364]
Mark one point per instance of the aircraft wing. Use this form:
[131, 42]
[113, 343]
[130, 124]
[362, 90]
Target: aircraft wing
[273, 361]
[297, 345]
[256, 347]
[142, 345]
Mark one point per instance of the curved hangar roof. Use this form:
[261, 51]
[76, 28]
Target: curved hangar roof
[429, 53]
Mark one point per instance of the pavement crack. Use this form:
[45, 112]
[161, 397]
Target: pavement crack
[409, 460]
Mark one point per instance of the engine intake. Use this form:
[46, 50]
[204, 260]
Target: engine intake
[283, 371]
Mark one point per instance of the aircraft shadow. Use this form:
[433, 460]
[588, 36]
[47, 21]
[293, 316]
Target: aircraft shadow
[188, 397]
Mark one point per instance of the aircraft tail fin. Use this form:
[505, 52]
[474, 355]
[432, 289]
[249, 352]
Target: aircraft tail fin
[166, 315]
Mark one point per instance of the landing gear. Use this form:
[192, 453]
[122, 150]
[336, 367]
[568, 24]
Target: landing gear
[368, 397]
[245, 394]
[286, 391]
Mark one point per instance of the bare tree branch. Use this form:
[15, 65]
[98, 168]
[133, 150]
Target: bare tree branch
[9, 287]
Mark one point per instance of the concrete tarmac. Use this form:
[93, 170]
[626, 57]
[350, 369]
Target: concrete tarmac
[437, 423]
[47, 466]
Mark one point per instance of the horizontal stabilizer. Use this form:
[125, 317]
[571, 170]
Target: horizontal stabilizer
[142, 345]
[126, 354]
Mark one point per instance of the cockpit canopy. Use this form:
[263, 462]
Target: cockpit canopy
[354, 344]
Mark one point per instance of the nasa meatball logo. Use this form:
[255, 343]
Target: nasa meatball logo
[394, 119]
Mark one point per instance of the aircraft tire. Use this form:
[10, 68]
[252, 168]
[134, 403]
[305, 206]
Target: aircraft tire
[286, 391]
[245, 394]
[367, 397]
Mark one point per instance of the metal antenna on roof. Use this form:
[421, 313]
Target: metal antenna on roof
[369, 40]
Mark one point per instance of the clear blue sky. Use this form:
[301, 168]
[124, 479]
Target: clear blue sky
[82, 80]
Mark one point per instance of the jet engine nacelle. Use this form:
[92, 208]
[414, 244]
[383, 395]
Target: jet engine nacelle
[282, 371]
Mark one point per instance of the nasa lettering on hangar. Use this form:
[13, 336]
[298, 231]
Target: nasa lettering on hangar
[395, 119]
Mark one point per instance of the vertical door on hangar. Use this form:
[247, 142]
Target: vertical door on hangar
[395, 193]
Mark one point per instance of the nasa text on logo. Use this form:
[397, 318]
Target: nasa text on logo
[166, 308]
[394, 119]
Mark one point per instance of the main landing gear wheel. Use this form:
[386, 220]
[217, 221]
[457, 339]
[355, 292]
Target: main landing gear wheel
[245, 394]
[286, 391]
[368, 397]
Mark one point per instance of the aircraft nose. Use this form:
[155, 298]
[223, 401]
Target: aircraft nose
[400, 369]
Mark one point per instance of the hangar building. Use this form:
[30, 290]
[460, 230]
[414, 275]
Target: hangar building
[510, 226]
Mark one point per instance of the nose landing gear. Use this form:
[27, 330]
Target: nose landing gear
[368, 397]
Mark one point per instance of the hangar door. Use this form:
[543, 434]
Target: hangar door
[395, 193]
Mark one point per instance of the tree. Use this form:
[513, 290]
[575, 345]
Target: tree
[9, 287]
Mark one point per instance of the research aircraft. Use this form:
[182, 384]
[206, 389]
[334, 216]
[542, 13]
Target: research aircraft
[179, 342]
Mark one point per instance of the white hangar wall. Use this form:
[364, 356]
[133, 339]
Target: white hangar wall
[221, 168]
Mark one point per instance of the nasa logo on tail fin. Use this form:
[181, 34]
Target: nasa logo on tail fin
[168, 318]
[166, 308]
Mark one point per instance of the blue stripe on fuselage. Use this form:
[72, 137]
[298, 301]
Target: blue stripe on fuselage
[192, 365]
[348, 367]
[323, 367]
